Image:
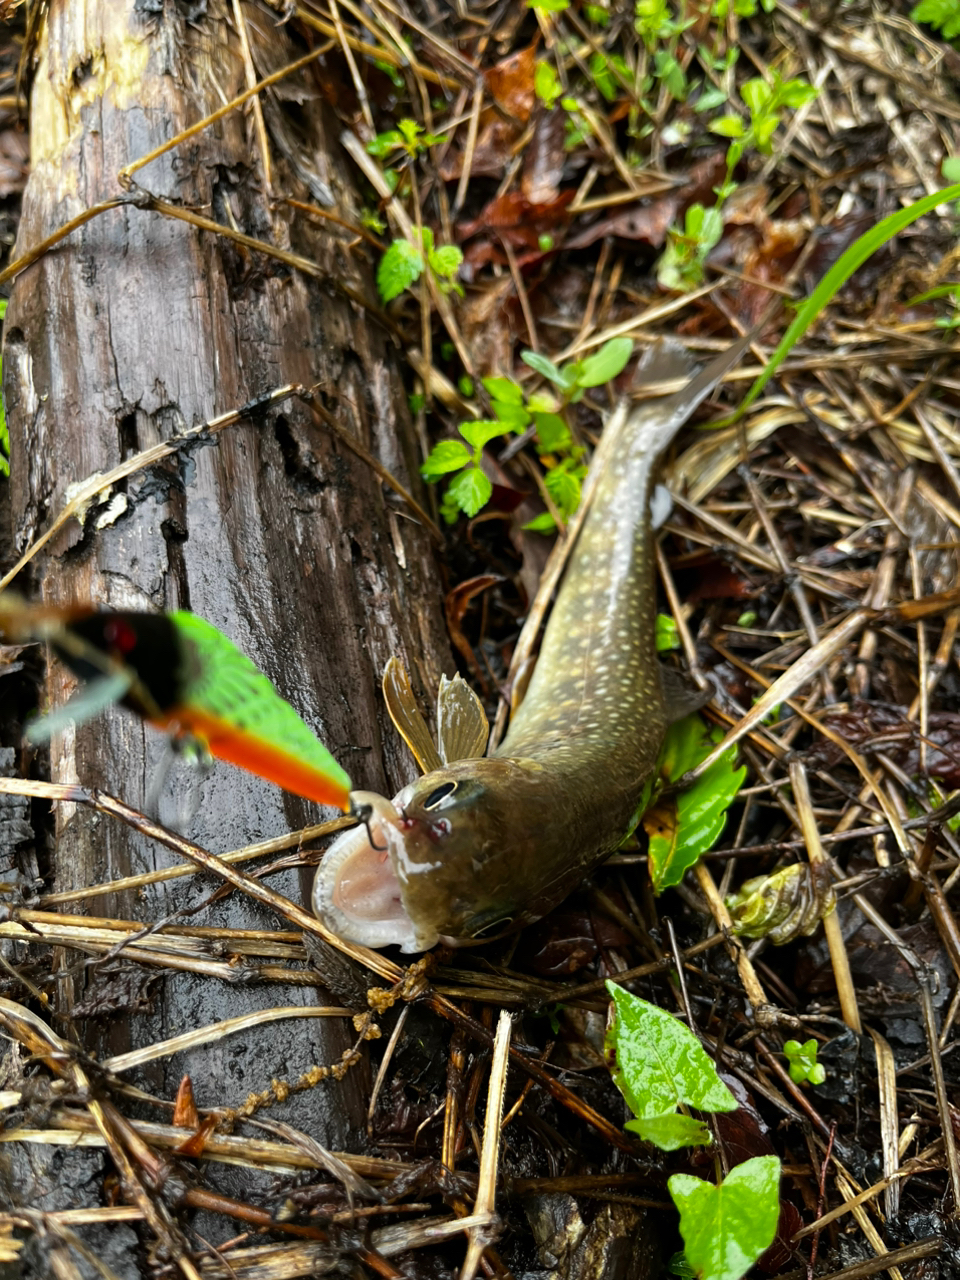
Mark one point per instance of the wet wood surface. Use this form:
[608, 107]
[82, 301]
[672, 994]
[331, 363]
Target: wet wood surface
[133, 329]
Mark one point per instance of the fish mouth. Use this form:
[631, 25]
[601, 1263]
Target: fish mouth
[357, 893]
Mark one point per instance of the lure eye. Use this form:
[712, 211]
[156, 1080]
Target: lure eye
[119, 634]
[438, 794]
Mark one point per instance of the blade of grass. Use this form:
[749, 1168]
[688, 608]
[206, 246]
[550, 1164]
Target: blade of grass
[841, 271]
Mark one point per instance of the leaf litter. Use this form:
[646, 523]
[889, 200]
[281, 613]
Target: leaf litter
[560, 167]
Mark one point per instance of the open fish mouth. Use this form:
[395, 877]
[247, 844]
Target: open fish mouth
[357, 893]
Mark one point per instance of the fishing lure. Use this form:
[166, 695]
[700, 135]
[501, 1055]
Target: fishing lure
[182, 675]
[484, 844]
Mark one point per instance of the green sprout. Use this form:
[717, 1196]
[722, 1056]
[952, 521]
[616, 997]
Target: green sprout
[513, 412]
[403, 264]
[663, 1071]
[804, 1067]
[408, 138]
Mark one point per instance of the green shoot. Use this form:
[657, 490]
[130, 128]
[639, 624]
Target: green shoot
[804, 1067]
[838, 275]
[562, 458]
[726, 1228]
[403, 264]
[680, 267]
[684, 825]
[942, 15]
[667, 634]
[408, 138]
[470, 490]
[660, 1066]
[661, 1069]
[546, 83]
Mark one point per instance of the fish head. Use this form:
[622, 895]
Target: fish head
[445, 860]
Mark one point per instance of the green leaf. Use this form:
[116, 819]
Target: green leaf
[710, 99]
[950, 168]
[384, 143]
[667, 634]
[606, 363]
[657, 1063]
[546, 83]
[756, 94]
[549, 6]
[943, 15]
[728, 126]
[546, 368]
[670, 72]
[671, 1132]
[797, 93]
[481, 432]
[725, 1229]
[683, 826]
[804, 1066]
[514, 416]
[543, 523]
[553, 433]
[503, 389]
[564, 488]
[400, 267]
[542, 402]
[445, 261]
[841, 271]
[470, 490]
[447, 455]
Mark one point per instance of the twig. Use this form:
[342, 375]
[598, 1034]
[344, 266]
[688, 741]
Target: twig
[484, 1203]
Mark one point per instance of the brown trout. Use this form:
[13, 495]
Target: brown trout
[485, 844]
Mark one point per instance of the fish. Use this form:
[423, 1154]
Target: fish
[183, 676]
[485, 845]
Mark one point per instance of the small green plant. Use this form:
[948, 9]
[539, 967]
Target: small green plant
[662, 1070]
[546, 83]
[408, 139]
[683, 825]
[804, 1067]
[942, 15]
[470, 490]
[681, 264]
[765, 103]
[513, 412]
[610, 73]
[403, 264]
[667, 634]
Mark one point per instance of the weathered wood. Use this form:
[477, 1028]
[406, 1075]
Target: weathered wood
[134, 328]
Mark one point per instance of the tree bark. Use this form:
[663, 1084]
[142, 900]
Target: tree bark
[134, 328]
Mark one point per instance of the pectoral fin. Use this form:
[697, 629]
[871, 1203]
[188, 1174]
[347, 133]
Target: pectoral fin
[461, 721]
[406, 717]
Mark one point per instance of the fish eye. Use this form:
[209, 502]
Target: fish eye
[439, 793]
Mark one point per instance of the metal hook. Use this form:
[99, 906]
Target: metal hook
[363, 814]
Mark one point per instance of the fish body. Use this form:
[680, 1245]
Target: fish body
[182, 675]
[486, 844]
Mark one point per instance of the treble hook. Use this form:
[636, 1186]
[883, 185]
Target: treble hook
[363, 814]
